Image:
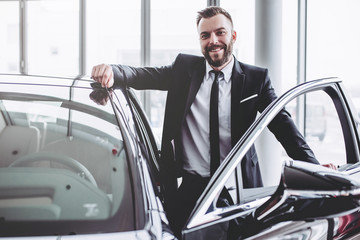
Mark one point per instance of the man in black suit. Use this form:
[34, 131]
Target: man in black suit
[243, 90]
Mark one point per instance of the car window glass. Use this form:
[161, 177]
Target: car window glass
[145, 131]
[322, 126]
[64, 157]
[232, 187]
[323, 130]
[323, 133]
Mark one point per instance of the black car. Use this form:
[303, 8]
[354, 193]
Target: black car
[78, 159]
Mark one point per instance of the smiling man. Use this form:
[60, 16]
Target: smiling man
[217, 38]
[211, 102]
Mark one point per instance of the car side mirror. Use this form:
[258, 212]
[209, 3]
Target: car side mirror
[308, 191]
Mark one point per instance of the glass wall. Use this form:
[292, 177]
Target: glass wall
[113, 32]
[289, 44]
[9, 40]
[173, 29]
[243, 14]
[53, 37]
[333, 47]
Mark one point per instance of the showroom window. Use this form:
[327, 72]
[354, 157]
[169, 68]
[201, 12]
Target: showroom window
[49, 40]
[173, 30]
[243, 15]
[333, 38]
[9, 41]
[53, 37]
[115, 36]
[289, 44]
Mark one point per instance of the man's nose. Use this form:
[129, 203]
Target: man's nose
[214, 38]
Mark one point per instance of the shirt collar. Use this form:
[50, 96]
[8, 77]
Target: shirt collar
[227, 70]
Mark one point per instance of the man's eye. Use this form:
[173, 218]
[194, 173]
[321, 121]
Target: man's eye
[204, 36]
[219, 33]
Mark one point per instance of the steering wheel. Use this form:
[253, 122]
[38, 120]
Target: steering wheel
[53, 157]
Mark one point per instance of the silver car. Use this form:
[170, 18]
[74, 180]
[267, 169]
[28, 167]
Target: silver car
[77, 159]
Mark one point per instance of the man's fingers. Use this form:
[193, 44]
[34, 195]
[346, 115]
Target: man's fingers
[103, 74]
[96, 73]
[108, 77]
[330, 165]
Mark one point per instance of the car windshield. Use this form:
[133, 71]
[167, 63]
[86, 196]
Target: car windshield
[62, 160]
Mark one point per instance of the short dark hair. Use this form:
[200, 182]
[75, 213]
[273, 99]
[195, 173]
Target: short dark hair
[212, 11]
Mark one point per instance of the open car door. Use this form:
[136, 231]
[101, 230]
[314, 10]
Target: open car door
[309, 201]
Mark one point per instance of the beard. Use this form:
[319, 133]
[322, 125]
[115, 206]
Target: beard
[217, 61]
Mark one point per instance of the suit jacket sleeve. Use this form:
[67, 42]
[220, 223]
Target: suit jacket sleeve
[140, 78]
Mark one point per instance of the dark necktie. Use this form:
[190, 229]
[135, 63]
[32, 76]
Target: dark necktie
[214, 125]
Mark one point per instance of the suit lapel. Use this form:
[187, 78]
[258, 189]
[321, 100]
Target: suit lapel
[237, 89]
[195, 81]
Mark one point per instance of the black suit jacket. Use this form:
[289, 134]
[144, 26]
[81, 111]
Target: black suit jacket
[182, 80]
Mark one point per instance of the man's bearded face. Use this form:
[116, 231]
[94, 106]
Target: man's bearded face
[218, 54]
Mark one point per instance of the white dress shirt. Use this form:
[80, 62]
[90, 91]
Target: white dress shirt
[195, 129]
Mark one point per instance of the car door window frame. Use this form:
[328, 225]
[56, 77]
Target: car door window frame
[147, 138]
[349, 121]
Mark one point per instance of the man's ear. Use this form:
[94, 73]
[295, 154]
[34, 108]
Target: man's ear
[233, 36]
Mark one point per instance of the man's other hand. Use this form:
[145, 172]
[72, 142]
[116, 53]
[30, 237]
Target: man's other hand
[329, 165]
[103, 74]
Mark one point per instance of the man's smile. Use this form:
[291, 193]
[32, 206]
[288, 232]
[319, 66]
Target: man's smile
[215, 49]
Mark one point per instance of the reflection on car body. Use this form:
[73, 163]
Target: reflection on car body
[79, 159]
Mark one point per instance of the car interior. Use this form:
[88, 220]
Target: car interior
[58, 150]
